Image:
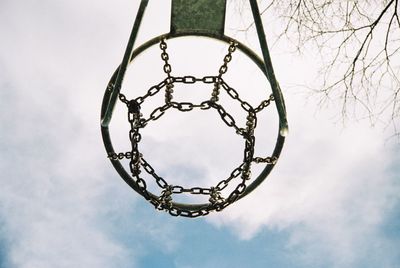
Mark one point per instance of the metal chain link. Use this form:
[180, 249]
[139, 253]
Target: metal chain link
[268, 160]
[165, 200]
[150, 170]
[123, 98]
[264, 104]
[167, 70]
[120, 156]
[222, 70]
[136, 161]
[152, 91]
[216, 198]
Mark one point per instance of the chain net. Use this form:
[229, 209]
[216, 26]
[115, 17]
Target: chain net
[138, 164]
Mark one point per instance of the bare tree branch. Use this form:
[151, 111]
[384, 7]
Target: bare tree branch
[360, 43]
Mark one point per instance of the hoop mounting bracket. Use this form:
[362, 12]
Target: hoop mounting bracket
[203, 16]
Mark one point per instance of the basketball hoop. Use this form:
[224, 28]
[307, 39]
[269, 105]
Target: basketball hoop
[204, 18]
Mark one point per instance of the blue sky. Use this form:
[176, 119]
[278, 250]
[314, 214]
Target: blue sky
[332, 201]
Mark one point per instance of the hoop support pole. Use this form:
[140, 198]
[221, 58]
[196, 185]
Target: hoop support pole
[106, 118]
[283, 125]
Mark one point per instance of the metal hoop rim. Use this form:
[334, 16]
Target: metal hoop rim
[249, 53]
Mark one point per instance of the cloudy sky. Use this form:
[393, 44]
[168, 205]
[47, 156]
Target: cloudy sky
[333, 199]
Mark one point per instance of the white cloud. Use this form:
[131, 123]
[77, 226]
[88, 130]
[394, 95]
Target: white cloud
[331, 189]
[53, 164]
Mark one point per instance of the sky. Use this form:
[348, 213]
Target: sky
[333, 199]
